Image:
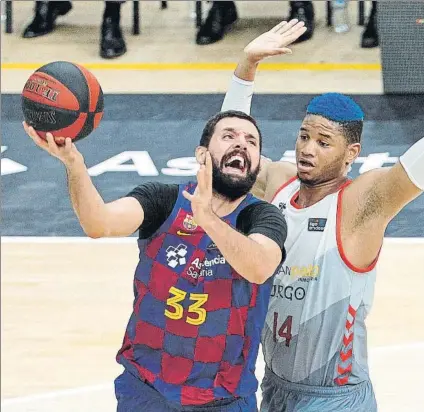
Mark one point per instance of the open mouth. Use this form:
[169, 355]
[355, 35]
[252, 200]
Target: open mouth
[235, 163]
[304, 165]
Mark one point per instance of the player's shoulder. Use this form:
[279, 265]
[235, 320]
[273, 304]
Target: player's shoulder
[271, 176]
[157, 190]
[261, 209]
[278, 174]
[157, 186]
[282, 166]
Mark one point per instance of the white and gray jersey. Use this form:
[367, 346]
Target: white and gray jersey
[315, 330]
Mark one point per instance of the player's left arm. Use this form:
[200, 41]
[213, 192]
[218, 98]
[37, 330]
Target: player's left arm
[379, 195]
[257, 254]
[272, 43]
[255, 257]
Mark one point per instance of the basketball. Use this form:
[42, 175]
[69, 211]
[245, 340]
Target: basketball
[64, 99]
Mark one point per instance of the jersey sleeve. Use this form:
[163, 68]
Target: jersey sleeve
[265, 219]
[157, 201]
[238, 96]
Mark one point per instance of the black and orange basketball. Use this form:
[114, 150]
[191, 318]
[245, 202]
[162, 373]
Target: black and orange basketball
[64, 99]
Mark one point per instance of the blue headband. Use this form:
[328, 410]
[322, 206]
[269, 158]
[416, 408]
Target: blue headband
[336, 107]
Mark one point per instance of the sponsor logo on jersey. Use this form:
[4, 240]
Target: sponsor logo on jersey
[302, 273]
[181, 233]
[175, 256]
[199, 268]
[212, 246]
[288, 292]
[282, 206]
[316, 224]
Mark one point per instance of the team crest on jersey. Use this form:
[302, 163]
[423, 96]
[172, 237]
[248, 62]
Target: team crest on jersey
[189, 223]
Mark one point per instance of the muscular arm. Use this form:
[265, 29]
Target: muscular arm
[240, 92]
[272, 43]
[239, 97]
[121, 217]
[257, 255]
[383, 194]
[370, 203]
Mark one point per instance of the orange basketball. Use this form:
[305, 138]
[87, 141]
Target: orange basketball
[64, 99]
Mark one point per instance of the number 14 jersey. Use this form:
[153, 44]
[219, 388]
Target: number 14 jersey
[315, 330]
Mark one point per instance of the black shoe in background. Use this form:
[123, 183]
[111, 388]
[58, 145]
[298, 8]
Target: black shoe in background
[46, 13]
[303, 11]
[221, 15]
[370, 34]
[112, 43]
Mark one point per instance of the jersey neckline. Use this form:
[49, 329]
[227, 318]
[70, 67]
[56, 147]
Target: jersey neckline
[296, 195]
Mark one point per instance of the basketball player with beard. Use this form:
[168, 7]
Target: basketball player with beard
[315, 339]
[208, 252]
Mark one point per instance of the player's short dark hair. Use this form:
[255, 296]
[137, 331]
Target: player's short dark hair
[352, 131]
[209, 128]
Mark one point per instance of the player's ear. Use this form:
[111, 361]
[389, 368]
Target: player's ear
[200, 154]
[353, 152]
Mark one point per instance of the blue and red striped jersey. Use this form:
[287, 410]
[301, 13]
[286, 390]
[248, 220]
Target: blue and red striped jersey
[194, 332]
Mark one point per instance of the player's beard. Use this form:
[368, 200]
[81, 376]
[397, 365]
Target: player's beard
[229, 186]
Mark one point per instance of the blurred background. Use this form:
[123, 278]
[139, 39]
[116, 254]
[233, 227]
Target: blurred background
[164, 68]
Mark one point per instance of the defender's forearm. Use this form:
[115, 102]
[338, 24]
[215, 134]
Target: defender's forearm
[240, 91]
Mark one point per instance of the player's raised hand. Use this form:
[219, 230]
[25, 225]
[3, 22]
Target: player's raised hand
[59, 147]
[201, 199]
[275, 41]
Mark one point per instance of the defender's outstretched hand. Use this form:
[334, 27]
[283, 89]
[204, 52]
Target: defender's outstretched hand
[275, 41]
